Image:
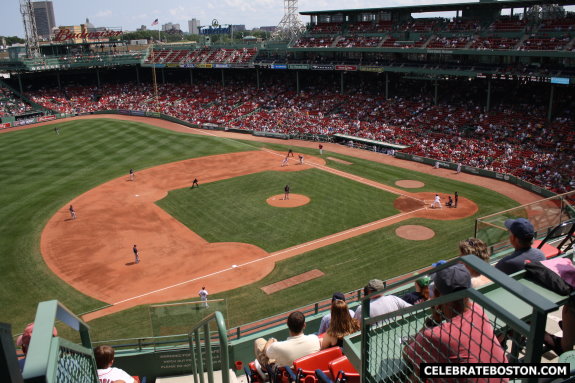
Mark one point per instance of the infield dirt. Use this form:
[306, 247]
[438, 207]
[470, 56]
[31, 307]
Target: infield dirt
[174, 260]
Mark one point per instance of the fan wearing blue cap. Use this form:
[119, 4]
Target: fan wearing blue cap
[521, 234]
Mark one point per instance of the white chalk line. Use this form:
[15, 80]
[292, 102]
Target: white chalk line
[350, 176]
[272, 255]
[297, 247]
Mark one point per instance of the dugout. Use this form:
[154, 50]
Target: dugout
[367, 144]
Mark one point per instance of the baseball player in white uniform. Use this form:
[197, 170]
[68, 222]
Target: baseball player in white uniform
[203, 293]
[436, 202]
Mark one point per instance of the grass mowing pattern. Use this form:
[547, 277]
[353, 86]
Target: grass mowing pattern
[235, 210]
[41, 172]
[348, 265]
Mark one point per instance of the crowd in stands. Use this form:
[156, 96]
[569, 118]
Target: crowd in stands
[515, 139]
[11, 104]
[456, 33]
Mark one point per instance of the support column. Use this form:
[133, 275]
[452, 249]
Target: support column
[387, 86]
[58, 80]
[297, 80]
[436, 86]
[137, 75]
[488, 105]
[20, 84]
[98, 76]
[258, 78]
[341, 83]
[191, 76]
[163, 76]
[550, 109]
[223, 80]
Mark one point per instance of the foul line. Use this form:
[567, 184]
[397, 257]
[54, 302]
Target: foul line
[350, 176]
[297, 247]
[272, 255]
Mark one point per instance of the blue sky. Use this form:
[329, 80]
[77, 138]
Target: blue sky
[131, 14]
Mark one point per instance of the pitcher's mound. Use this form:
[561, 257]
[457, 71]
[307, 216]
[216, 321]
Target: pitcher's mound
[409, 184]
[294, 200]
[414, 232]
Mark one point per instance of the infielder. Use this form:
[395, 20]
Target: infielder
[136, 254]
[72, 212]
[285, 161]
[459, 168]
[286, 192]
[132, 174]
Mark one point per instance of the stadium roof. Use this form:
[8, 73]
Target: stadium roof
[446, 7]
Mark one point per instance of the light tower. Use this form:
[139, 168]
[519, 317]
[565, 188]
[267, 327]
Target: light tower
[32, 46]
[290, 26]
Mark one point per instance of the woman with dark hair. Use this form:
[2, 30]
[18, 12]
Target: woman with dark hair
[341, 324]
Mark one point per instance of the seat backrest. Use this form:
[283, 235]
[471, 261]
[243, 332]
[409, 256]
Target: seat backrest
[564, 229]
[319, 360]
[343, 364]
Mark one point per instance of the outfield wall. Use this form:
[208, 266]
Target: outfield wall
[310, 137]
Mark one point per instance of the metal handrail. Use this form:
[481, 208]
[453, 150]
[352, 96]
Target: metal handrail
[196, 347]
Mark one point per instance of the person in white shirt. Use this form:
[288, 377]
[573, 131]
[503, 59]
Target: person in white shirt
[104, 356]
[283, 353]
[203, 293]
[380, 304]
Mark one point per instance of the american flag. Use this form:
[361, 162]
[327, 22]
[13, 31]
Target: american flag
[155, 22]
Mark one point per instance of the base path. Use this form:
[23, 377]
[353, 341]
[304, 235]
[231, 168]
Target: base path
[94, 252]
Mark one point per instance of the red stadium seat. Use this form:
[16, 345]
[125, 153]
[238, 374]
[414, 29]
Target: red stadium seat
[319, 360]
[343, 364]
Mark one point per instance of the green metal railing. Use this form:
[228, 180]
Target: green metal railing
[516, 313]
[203, 352]
[52, 359]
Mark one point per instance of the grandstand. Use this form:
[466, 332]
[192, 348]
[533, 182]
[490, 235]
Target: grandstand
[491, 91]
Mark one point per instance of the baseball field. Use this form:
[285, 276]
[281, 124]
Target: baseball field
[229, 234]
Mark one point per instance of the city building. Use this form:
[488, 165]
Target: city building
[239, 28]
[171, 27]
[194, 26]
[44, 17]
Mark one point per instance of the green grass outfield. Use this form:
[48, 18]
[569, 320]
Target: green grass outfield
[41, 172]
[235, 210]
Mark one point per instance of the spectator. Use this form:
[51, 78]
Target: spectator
[478, 248]
[380, 304]
[104, 356]
[421, 293]
[23, 341]
[323, 326]
[465, 335]
[521, 233]
[341, 324]
[283, 353]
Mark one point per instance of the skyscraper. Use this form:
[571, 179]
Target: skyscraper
[194, 26]
[44, 17]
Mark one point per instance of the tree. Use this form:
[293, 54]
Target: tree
[10, 40]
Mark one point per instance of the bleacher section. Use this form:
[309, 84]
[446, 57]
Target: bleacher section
[200, 55]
